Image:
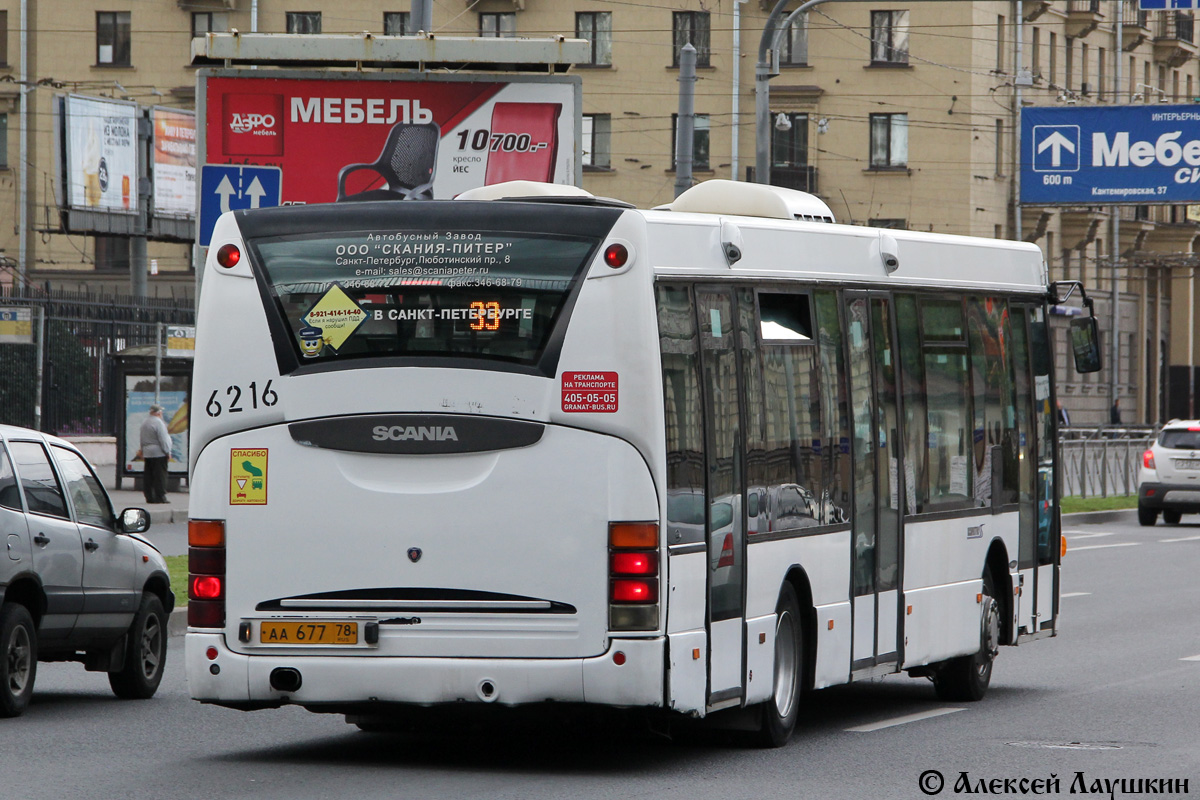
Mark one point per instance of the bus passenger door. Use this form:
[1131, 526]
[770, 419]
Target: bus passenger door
[877, 479]
[725, 524]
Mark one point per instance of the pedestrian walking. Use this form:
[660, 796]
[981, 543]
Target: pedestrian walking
[1064, 419]
[156, 452]
[1114, 413]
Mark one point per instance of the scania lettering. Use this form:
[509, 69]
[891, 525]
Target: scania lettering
[690, 462]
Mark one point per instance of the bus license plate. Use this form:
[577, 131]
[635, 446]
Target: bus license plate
[305, 633]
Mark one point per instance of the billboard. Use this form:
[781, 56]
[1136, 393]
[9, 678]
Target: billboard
[353, 136]
[101, 159]
[1120, 155]
[174, 165]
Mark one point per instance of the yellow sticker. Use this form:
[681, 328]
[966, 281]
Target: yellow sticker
[336, 315]
[248, 477]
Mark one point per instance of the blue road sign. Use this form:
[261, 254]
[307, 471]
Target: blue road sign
[228, 187]
[1120, 155]
[1161, 5]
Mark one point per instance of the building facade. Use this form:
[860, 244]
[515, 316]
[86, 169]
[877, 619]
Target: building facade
[895, 113]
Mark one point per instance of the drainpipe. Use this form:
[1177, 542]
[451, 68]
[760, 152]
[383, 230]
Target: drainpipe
[737, 85]
[23, 168]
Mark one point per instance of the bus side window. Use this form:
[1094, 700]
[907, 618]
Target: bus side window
[835, 409]
[683, 405]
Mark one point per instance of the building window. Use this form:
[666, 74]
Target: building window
[894, 223]
[699, 142]
[3, 141]
[889, 37]
[690, 27]
[395, 23]
[112, 39]
[499, 25]
[793, 50]
[1001, 51]
[789, 148]
[889, 141]
[596, 27]
[1053, 58]
[1035, 53]
[597, 141]
[999, 148]
[202, 23]
[3, 38]
[304, 22]
[112, 253]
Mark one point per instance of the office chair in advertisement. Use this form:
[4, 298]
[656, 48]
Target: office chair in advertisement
[406, 163]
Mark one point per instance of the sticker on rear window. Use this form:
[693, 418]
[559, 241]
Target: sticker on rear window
[248, 477]
[589, 392]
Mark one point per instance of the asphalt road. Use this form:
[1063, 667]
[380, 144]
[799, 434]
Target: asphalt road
[1115, 696]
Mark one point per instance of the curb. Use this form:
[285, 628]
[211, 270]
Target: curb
[177, 624]
[1095, 517]
[167, 516]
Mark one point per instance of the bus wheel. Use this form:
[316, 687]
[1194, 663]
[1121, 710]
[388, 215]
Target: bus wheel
[778, 714]
[145, 654]
[967, 677]
[18, 659]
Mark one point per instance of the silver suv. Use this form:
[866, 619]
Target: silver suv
[1169, 480]
[79, 583]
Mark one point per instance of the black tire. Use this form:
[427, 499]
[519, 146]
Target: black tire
[18, 659]
[777, 716]
[966, 679]
[1147, 516]
[1171, 517]
[145, 653]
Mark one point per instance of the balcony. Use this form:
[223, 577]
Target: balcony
[1175, 38]
[801, 178]
[1083, 17]
[1135, 25]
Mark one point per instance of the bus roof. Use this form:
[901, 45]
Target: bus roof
[699, 244]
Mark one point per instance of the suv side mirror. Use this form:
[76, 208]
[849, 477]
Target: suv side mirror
[134, 520]
[1085, 344]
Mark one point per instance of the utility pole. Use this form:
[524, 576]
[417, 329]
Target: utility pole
[685, 138]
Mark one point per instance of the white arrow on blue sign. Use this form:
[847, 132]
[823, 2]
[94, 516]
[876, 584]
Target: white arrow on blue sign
[1055, 148]
[225, 187]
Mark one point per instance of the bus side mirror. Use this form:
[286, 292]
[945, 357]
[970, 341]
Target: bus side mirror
[1085, 344]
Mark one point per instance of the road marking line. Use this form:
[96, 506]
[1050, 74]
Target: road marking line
[1101, 546]
[1075, 594]
[891, 723]
[1088, 534]
[1184, 539]
[1191, 658]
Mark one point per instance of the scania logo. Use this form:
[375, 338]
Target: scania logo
[251, 123]
[414, 433]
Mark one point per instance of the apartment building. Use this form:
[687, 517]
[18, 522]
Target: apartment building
[895, 113]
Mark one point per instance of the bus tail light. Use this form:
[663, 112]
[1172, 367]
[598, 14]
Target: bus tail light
[1148, 459]
[206, 573]
[633, 576]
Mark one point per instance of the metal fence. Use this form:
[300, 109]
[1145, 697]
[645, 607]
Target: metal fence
[81, 335]
[1102, 462]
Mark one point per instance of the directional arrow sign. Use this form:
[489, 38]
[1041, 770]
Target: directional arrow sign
[1056, 143]
[1110, 155]
[225, 187]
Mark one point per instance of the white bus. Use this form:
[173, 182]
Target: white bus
[558, 449]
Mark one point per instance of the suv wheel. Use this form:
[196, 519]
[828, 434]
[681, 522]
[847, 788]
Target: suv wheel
[18, 659]
[1171, 517]
[1147, 516]
[145, 653]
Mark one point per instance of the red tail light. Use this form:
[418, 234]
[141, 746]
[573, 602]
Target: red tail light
[633, 591]
[633, 576]
[205, 587]
[1148, 459]
[726, 559]
[206, 573]
[635, 563]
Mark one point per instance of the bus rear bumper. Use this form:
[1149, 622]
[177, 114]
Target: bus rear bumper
[245, 680]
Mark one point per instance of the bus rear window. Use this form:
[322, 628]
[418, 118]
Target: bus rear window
[422, 294]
